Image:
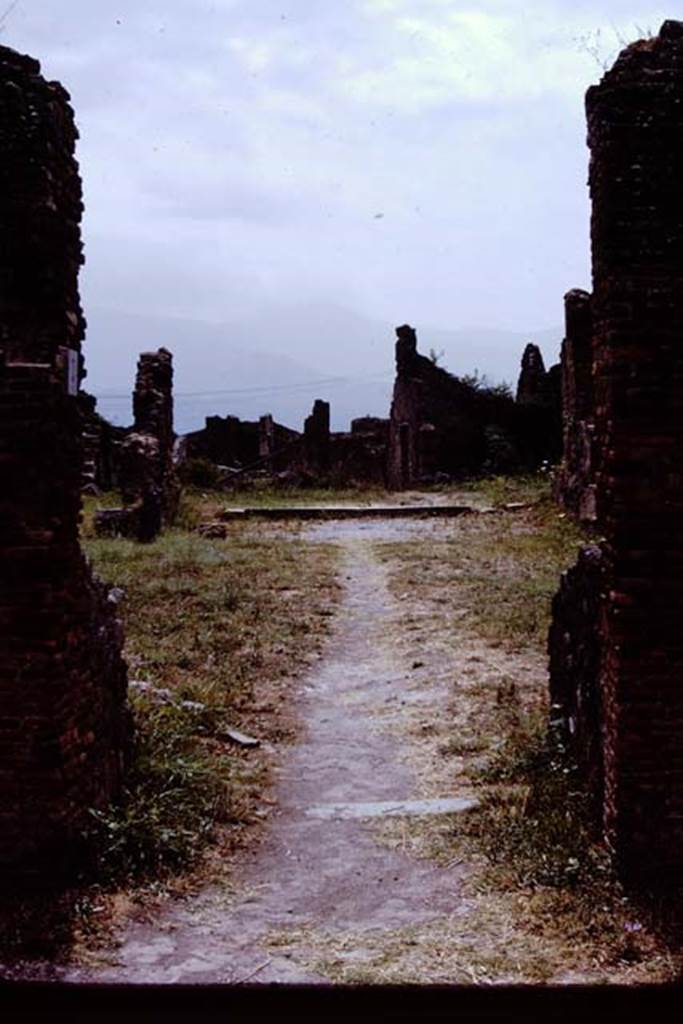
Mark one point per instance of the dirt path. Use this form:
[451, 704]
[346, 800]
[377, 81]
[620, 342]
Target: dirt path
[321, 871]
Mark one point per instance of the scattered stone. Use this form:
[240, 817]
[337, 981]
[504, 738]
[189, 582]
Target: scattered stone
[240, 738]
[214, 531]
[158, 694]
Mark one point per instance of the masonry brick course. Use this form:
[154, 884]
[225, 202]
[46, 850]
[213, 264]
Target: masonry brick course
[64, 723]
[635, 135]
[445, 427]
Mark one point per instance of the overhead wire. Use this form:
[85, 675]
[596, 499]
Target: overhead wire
[262, 390]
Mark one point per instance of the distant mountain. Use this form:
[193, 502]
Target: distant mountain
[280, 360]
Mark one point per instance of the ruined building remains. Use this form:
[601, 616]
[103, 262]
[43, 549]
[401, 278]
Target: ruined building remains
[63, 718]
[533, 385]
[619, 614]
[574, 484]
[317, 456]
[146, 475]
[440, 428]
[101, 446]
[316, 450]
[444, 427]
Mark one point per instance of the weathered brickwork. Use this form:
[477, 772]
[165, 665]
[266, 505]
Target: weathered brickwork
[442, 426]
[146, 474]
[574, 485]
[635, 134]
[64, 724]
[226, 441]
[101, 446]
[533, 386]
[316, 448]
[575, 649]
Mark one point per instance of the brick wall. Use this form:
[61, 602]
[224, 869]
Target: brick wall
[64, 725]
[441, 426]
[635, 135]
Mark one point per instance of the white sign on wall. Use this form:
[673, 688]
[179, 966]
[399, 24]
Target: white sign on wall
[72, 360]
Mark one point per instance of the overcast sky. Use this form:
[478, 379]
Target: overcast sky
[411, 160]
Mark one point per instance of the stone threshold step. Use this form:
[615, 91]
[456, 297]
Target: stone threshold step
[351, 512]
[392, 808]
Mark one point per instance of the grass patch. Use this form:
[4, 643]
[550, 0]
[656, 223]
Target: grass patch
[533, 823]
[225, 625]
[176, 793]
[480, 594]
[502, 490]
[506, 569]
[212, 619]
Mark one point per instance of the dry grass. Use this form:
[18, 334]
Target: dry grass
[227, 625]
[496, 574]
[476, 611]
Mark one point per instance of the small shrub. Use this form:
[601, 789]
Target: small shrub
[534, 824]
[173, 798]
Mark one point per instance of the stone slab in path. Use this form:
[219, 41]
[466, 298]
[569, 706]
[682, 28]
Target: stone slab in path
[393, 808]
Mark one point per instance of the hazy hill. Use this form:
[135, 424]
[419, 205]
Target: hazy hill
[282, 359]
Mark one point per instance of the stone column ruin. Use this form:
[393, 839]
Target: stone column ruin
[635, 135]
[532, 385]
[266, 440]
[574, 486]
[404, 417]
[316, 445]
[64, 724]
[148, 482]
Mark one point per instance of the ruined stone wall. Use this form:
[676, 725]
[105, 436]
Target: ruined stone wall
[575, 647]
[316, 445]
[539, 403]
[635, 134]
[144, 457]
[153, 422]
[226, 441]
[101, 448]
[574, 486]
[445, 427]
[63, 718]
[533, 385]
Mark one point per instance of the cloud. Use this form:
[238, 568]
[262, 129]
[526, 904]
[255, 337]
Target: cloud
[232, 149]
[255, 56]
[440, 52]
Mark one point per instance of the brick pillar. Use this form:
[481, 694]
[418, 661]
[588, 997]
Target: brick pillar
[575, 485]
[635, 134]
[404, 418]
[532, 386]
[63, 716]
[317, 438]
[266, 440]
[153, 417]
